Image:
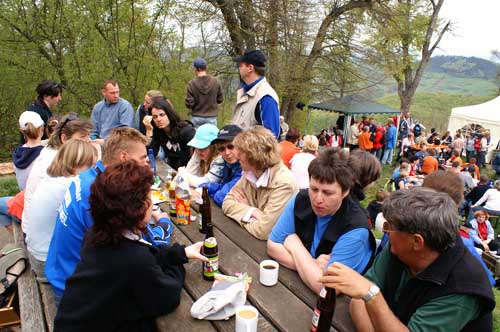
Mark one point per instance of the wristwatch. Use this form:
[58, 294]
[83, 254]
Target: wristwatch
[372, 292]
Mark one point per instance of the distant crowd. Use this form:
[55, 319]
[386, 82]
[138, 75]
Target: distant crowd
[86, 209]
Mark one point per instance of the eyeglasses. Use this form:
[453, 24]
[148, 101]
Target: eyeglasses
[222, 148]
[69, 118]
[387, 228]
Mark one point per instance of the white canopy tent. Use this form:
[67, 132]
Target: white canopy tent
[486, 114]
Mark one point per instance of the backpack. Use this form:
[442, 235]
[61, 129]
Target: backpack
[390, 185]
[477, 144]
[417, 130]
[12, 264]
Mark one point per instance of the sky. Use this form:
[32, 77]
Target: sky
[476, 25]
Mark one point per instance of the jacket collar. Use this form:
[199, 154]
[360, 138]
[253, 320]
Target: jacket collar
[439, 270]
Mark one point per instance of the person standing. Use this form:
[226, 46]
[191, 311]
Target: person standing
[49, 95]
[256, 102]
[112, 112]
[283, 128]
[390, 142]
[354, 133]
[204, 94]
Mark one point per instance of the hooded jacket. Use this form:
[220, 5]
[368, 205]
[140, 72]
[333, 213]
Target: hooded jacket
[23, 158]
[204, 93]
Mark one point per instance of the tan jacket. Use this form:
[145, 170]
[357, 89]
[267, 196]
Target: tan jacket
[271, 200]
[244, 111]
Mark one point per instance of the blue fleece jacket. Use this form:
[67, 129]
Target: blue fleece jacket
[73, 222]
[231, 173]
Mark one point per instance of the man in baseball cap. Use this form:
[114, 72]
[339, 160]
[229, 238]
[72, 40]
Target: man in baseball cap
[256, 103]
[231, 172]
[204, 95]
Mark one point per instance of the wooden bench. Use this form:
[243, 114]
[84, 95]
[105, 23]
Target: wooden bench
[492, 262]
[36, 300]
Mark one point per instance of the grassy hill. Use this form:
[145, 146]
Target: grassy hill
[448, 84]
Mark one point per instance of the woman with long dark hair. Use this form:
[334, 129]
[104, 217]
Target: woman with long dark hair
[122, 282]
[170, 133]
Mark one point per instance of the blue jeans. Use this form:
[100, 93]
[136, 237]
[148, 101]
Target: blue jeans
[387, 157]
[200, 120]
[5, 217]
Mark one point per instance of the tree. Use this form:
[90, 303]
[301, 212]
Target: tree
[291, 32]
[405, 33]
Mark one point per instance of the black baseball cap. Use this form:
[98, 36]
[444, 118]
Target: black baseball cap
[227, 133]
[253, 57]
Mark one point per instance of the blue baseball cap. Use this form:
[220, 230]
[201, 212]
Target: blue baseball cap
[253, 57]
[204, 136]
[200, 63]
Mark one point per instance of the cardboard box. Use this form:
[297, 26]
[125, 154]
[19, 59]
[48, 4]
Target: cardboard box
[9, 315]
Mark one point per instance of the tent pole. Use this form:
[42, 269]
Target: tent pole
[307, 120]
[347, 129]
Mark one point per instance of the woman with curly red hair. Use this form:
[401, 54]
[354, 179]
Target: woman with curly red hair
[122, 282]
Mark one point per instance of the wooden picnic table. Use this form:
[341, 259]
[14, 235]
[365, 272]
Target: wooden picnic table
[287, 306]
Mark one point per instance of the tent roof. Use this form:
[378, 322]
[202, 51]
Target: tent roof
[488, 111]
[350, 106]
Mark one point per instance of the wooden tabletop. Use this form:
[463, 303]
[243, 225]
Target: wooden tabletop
[287, 306]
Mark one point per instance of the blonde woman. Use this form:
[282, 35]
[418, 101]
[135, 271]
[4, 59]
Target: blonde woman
[145, 110]
[300, 161]
[73, 157]
[206, 164]
[69, 127]
[259, 197]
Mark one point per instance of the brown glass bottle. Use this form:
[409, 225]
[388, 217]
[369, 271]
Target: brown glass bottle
[205, 212]
[210, 251]
[323, 313]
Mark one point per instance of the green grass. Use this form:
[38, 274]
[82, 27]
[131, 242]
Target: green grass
[8, 186]
[448, 84]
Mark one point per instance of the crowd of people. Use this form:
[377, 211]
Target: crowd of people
[86, 210]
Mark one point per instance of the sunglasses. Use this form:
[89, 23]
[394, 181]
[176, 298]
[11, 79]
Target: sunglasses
[69, 118]
[222, 148]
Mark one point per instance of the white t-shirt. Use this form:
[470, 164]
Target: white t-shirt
[42, 214]
[492, 199]
[300, 163]
[37, 173]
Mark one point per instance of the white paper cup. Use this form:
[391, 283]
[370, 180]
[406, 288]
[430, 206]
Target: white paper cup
[246, 319]
[269, 272]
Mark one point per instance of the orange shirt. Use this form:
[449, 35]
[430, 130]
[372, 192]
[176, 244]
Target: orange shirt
[288, 150]
[364, 141]
[429, 165]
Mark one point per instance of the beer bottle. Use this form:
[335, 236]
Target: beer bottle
[323, 313]
[211, 252]
[205, 213]
[171, 195]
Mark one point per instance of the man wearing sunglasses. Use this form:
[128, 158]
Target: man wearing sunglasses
[231, 172]
[425, 280]
[112, 112]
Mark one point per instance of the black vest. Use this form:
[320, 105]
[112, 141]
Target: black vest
[350, 216]
[455, 271]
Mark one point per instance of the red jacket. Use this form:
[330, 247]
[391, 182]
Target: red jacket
[378, 136]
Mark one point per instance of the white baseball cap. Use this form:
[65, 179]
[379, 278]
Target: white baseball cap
[30, 117]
